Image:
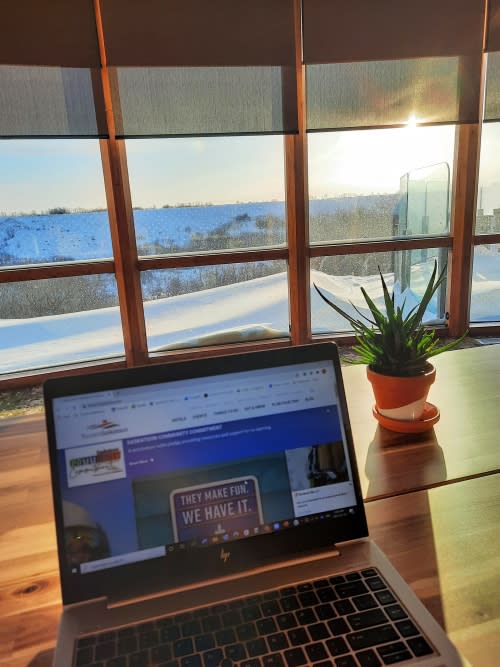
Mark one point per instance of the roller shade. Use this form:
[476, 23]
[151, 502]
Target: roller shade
[49, 78]
[197, 68]
[376, 64]
[338, 31]
[493, 32]
[185, 33]
[492, 98]
[51, 32]
[40, 102]
[197, 101]
[387, 93]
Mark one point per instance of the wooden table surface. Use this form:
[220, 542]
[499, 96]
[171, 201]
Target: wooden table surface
[444, 541]
[464, 443]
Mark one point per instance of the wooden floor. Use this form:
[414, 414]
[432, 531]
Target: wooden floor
[433, 503]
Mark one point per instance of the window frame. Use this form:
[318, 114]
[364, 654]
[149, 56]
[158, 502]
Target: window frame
[127, 266]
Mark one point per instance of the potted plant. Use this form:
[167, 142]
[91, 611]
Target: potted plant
[397, 347]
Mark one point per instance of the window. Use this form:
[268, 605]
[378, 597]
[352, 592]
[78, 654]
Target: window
[485, 283]
[485, 297]
[210, 195]
[380, 184]
[56, 321]
[207, 193]
[488, 200]
[340, 277]
[218, 304]
[54, 213]
[171, 185]
[53, 205]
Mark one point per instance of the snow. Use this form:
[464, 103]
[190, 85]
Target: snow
[250, 310]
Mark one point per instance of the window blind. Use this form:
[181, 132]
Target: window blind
[360, 30]
[47, 102]
[387, 93]
[191, 67]
[376, 64]
[49, 78]
[493, 29]
[492, 95]
[200, 101]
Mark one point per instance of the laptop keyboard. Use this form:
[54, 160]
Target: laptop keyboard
[351, 620]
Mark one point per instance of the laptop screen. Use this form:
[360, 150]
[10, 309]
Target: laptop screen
[157, 469]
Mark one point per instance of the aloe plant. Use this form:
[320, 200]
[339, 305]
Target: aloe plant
[394, 343]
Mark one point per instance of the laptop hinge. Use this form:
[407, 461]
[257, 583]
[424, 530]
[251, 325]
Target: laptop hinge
[329, 552]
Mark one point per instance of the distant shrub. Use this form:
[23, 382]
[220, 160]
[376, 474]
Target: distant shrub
[55, 296]
[58, 210]
[158, 284]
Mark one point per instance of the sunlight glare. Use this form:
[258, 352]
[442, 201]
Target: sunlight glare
[373, 161]
[412, 122]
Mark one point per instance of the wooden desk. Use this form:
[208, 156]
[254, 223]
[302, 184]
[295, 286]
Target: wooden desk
[463, 444]
[446, 544]
[444, 541]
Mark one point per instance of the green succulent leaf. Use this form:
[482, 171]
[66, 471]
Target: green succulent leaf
[395, 343]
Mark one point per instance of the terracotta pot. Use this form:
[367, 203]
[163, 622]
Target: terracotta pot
[401, 397]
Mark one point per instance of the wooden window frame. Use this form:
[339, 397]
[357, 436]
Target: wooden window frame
[127, 266]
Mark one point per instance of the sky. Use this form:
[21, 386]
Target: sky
[36, 175]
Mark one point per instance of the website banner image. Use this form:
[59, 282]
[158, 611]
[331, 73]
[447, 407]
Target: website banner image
[197, 504]
[232, 505]
[95, 463]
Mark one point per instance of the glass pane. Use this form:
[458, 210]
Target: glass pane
[49, 322]
[485, 298]
[52, 203]
[206, 194]
[340, 278]
[211, 305]
[426, 210]
[488, 199]
[362, 182]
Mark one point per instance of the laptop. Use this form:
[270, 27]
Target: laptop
[209, 512]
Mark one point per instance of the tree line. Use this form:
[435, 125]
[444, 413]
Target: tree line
[56, 296]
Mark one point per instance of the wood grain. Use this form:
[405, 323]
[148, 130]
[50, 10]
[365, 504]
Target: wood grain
[391, 245]
[464, 443]
[69, 269]
[443, 540]
[465, 179]
[297, 210]
[446, 544]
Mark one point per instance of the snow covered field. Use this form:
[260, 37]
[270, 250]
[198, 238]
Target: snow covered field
[249, 310]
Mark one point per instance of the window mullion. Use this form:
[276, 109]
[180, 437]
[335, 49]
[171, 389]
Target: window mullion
[462, 225]
[44, 271]
[463, 213]
[124, 250]
[121, 222]
[297, 206]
